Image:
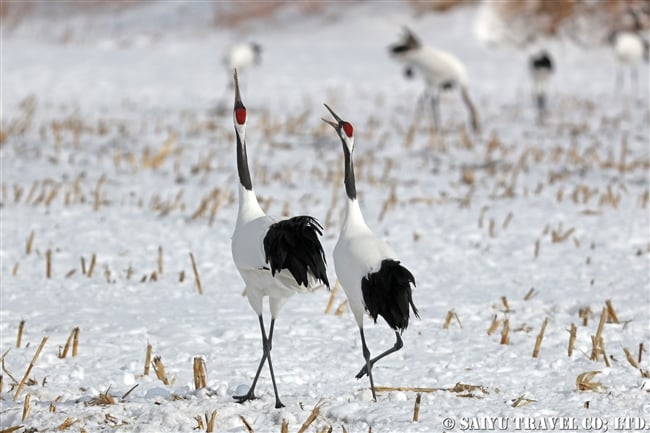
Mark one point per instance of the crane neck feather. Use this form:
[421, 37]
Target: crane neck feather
[350, 186]
[249, 207]
[242, 163]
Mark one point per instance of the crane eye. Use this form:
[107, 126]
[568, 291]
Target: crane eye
[240, 115]
[347, 128]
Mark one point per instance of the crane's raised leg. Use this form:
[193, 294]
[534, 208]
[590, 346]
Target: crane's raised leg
[368, 367]
[266, 354]
[397, 346]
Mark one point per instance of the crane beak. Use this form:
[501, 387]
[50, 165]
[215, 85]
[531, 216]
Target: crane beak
[237, 95]
[332, 124]
[338, 119]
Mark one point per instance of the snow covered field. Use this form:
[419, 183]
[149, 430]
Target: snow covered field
[116, 146]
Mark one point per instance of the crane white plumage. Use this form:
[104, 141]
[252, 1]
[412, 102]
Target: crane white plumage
[242, 56]
[631, 47]
[276, 258]
[368, 269]
[439, 69]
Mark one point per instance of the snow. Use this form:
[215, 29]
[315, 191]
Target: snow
[469, 212]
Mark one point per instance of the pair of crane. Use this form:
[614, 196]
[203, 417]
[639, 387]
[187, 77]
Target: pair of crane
[278, 258]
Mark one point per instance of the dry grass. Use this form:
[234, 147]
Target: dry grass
[630, 358]
[585, 382]
[147, 359]
[19, 337]
[26, 407]
[248, 426]
[29, 368]
[311, 418]
[451, 314]
[333, 293]
[73, 339]
[540, 337]
[159, 369]
[103, 399]
[530, 294]
[461, 389]
[611, 313]
[641, 350]
[493, 325]
[12, 429]
[416, 407]
[572, 338]
[197, 279]
[597, 340]
[522, 401]
[505, 338]
[200, 376]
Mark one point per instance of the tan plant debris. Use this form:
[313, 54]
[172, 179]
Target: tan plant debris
[493, 325]
[505, 339]
[246, 424]
[540, 337]
[159, 369]
[27, 407]
[311, 418]
[196, 275]
[572, 338]
[451, 314]
[103, 399]
[200, 380]
[210, 421]
[147, 359]
[341, 308]
[584, 313]
[641, 350]
[611, 313]
[630, 358]
[333, 293]
[530, 294]
[585, 382]
[19, 337]
[30, 367]
[66, 424]
[522, 401]
[416, 408]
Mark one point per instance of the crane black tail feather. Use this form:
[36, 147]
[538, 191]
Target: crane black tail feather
[387, 293]
[293, 244]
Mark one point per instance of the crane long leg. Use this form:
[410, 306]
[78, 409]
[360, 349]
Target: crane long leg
[278, 403]
[397, 346]
[541, 107]
[435, 106]
[266, 354]
[619, 78]
[368, 367]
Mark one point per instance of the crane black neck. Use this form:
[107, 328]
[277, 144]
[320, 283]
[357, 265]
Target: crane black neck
[350, 187]
[242, 164]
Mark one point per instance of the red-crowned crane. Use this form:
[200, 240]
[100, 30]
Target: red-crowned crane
[631, 48]
[276, 258]
[541, 69]
[439, 69]
[242, 56]
[368, 269]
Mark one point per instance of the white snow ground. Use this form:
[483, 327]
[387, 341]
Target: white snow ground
[113, 142]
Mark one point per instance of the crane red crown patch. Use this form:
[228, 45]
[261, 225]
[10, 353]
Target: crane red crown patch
[240, 115]
[347, 128]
